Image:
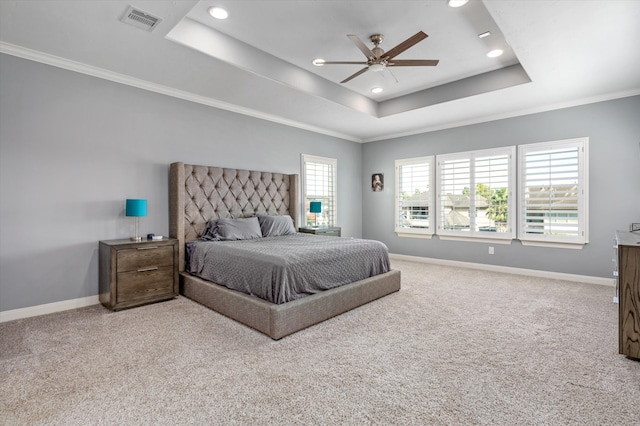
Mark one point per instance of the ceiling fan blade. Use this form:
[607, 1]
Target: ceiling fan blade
[419, 36]
[363, 47]
[342, 63]
[352, 76]
[413, 63]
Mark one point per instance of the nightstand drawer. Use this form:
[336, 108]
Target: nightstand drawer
[144, 257]
[144, 283]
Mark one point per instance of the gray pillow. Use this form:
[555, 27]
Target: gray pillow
[274, 226]
[210, 231]
[238, 229]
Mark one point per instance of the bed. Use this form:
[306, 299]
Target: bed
[200, 194]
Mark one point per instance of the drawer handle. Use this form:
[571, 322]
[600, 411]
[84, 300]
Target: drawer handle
[147, 248]
[148, 269]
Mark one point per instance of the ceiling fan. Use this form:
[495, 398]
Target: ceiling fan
[378, 59]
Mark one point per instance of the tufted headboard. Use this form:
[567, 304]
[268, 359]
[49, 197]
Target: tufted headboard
[198, 194]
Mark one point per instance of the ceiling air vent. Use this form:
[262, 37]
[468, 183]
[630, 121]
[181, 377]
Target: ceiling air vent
[140, 19]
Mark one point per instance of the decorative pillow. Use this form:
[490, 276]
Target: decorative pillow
[238, 229]
[274, 226]
[210, 231]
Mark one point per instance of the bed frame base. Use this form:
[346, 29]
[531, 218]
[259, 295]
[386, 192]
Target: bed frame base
[278, 321]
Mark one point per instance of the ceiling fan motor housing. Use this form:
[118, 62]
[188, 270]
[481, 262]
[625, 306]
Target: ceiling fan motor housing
[376, 39]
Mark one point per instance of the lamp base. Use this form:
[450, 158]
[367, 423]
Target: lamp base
[137, 237]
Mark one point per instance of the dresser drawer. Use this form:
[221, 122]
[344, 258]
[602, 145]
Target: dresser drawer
[144, 257]
[144, 283]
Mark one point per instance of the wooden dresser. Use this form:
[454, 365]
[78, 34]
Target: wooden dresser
[628, 259]
[135, 273]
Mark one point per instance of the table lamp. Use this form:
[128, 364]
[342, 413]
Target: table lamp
[136, 208]
[315, 207]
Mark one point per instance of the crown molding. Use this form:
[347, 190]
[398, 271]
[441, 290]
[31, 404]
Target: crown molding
[79, 67]
[511, 114]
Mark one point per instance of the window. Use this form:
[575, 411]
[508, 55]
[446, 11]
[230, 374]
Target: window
[319, 183]
[553, 192]
[475, 194]
[414, 197]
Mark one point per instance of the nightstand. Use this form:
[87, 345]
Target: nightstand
[331, 231]
[135, 273]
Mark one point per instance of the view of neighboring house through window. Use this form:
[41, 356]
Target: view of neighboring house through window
[474, 193]
[414, 196]
[319, 183]
[553, 192]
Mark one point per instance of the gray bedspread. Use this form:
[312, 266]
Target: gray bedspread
[286, 268]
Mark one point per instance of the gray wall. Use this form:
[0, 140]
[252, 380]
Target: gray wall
[613, 128]
[74, 147]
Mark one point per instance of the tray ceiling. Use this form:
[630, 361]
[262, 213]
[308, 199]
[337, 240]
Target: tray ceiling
[259, 61]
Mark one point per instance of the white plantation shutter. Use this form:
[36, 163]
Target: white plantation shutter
[553, 192]
[319, 184]
[475, 193]
[495, 174]
[455, 175]
[414, 196]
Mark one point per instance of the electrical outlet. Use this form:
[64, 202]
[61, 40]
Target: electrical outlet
[491, 250]
[635, 227]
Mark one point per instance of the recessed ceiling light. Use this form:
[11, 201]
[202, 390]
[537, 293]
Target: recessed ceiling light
[218, 12]
[318, 62]
[457, 3]
[484, 34]
[376, 90]
[495, 53]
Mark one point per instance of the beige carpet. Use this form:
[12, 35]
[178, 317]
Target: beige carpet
[454, 346]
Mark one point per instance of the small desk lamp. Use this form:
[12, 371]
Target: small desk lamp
[315, 207]
[136, 208]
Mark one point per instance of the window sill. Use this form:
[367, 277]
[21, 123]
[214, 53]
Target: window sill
[506, 240]
[550, 244]
[409, 234]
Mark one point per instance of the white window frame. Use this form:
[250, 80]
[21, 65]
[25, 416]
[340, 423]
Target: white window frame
[504, 237]
[547, 238]
[408, 231]
[330, 208]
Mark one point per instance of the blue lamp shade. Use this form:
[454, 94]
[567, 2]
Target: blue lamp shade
[315, 207]
[136, 208]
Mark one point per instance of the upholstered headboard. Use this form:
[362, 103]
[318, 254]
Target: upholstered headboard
[198, 194]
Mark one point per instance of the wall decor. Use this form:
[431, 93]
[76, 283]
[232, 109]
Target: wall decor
[377, 182]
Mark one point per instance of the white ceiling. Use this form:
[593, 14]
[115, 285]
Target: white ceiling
[258, 62]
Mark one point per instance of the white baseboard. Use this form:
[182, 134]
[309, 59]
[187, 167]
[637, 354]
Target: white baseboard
[48, 308]
[64, 305]
[509, 270]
